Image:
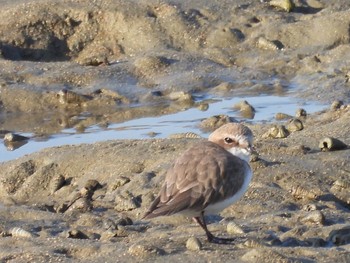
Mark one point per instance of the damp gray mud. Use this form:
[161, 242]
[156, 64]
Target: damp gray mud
[109, 93]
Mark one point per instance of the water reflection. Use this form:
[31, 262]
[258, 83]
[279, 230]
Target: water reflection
[129, 123]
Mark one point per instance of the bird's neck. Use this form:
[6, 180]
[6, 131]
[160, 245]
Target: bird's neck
[242, 154]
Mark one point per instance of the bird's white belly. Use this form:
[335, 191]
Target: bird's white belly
[217, 207]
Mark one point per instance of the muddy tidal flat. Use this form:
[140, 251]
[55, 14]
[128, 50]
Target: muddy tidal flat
[73, 65]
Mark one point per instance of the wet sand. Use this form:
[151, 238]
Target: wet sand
[84, 202]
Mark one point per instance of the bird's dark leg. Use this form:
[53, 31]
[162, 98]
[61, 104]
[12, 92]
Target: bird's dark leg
[211, 238]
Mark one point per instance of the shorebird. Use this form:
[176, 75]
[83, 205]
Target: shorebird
[207, 177]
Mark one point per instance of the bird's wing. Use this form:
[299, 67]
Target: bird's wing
[198, 178]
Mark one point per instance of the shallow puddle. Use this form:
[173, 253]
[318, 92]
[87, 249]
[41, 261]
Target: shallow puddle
[161, 127]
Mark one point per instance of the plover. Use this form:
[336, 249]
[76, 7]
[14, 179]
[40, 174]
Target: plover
[208, 177]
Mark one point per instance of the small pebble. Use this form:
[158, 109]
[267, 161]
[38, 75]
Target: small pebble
[314, 217]
[300, 113]
[336, 105]
[233, 228]
[193, 244]
[286, 5]
[246, 110]
[310, 207]
[282, 116]
[12, 137]
[214, 122]
[276, 132]
[294, 125]
[76, 234]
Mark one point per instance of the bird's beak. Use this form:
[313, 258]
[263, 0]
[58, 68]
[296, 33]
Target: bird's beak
[251, 149]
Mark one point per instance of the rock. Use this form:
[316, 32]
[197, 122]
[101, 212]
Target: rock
[233, 228]
[300, 113]
[276, 132]
[214, 122]
[193, 244]
[282, 116]
[313, 217]
[246, 110]
[286, 5]
[294, 125]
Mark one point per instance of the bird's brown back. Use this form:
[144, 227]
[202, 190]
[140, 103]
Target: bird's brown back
[204, 174]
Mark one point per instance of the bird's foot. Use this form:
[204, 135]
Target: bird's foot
[220, 240]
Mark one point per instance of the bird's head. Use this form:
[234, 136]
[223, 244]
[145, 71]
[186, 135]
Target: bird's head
[235, 138]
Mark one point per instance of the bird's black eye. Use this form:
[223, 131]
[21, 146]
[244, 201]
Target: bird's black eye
[228, 140]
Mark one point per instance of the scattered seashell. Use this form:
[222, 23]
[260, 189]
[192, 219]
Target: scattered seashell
[19, 232]
[340, 236]
[181, 96]
[92, 185]
[112, 94]
[190, 135]
[266, 44]
[310, 207]
[295, 125]
[123, 221]
[82, 200]
[286, 5]
[76, 234]
[233, 228]
[340, 189]
[82, 204]
[224, 87]
[342, 184]
[246, 110]
[336, 105]
[193, 244]
[254, 157]
[56, 183]
[300, 113]
[276, 132]
[314, 217]
[61, 208]
[108, 234]
[331, 144]
[282, 116]
[300, 192]
[12, 137]
[120, 181]
[126, 203]
[203, 106]
[214, 122]
[69, 97]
